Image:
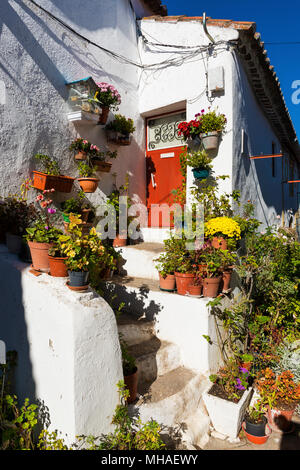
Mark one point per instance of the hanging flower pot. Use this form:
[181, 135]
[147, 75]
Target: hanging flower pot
[210, 140]
[219, 243]
[104, 115]
[183, 280]
[44, 181]
[167, 283]
[200, 174]
[124, 139]
[104, 167]
[57, 266]
[39, 255]
[81, 155]
[14, 243]
[131, 382]
[88, 185]
[211, 286]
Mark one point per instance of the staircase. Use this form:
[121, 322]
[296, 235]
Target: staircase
[164, 333]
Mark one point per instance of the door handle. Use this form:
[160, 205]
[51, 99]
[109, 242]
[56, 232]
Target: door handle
[153, 180]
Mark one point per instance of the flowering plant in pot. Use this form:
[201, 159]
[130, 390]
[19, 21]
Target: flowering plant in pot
[200, 163]
[191, 129]
[50, 176]
[130, 371]
[255, 423]
[281, 394]
[220, 229]
[120, 129]
[78, 206]
[84, 148]
[108, 97]
[86, 180]
[212, 125]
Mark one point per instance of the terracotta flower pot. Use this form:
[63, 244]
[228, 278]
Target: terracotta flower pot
[167, 283]
[257, 439]
[195, 291]
[104, 167]
[219, 243]
[104, 115]
[88, 185]
[39, 255]
[85, 214]
[60, 183]
[211, 286]
[210, 140]
[81, 155]
[280, 420]
[118, 242]
[14, 243]
[183, 280]
[226, 278]
[131, 382]
[58, 267]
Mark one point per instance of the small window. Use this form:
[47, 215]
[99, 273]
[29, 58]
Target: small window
[273, 160]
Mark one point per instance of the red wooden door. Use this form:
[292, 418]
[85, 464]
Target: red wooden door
[164, 147]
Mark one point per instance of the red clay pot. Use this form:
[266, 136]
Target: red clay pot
[81, 155]
[195, 291]
[219, 243]
[104, 115]
[39, 255]
[58, 267]
[211, 286]
[167, 283]
[60, 183]
[88, 185]
[119, 241]
[183, 280]
[257, 439]
[131, 382]
[280, 420]
[226, 278]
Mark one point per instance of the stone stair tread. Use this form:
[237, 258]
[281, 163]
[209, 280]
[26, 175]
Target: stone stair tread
[147, 347]
[132, 319]
[147, 246]
[137, 282]
[165, 385]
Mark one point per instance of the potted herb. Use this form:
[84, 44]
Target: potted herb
[108, 97]
[255, 423]
[220, 229]
[57, 261]
[212, 279]
[212, 125]
[120, 129]
[87, 182]
[200, 163]
[130, 371]
[227, 399]
[50, 177]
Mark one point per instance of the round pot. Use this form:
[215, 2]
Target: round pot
[194, 291]
[256, 429]
[131, 382]
[78, 278]
[14, 243]
[119, 241]
[167, 283]
[81, 155]
[104, 115]
[183, 280]
[280, 420]
[39, 256]
[226, 278]
[211, 286]
[58, 267]
[88, 185]
[257, 439]
[200, 174]
[219, 243]
[210, 140]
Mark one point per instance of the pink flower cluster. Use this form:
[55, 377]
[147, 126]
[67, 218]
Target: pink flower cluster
[106, 87]
[44, 203]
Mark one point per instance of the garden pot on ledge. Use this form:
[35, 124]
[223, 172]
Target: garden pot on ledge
[194, 290]
[78, 278]
[257, 434]
[280, 420]
[88, 185]
[58, 267]
[183, 281]
[39, 255]
[211, 286]
[210, 140]
[219, 243]
[167, 283]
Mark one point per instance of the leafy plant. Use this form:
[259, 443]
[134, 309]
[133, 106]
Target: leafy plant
[107, 95]
[278, 391]
[255, 413]
[288, 359]
[85, 170]
[211, 121]
[48, 164]
[232, 379]
[128, 361]
[199, 159]
[121, 124]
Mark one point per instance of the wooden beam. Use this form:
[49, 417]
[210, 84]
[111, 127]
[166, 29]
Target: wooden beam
[257, 157]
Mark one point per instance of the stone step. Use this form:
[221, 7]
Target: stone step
[137, 260]
[154, 358]
[135, 330]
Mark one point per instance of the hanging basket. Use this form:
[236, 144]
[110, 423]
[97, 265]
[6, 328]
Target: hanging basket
[210, 140]
[104, 167]
[88, 185]
[60, 183]
[200, 174]
[81, 155]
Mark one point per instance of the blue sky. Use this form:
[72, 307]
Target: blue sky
[276, 22]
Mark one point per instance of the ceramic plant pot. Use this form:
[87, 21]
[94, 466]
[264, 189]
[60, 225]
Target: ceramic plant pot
[78, 278]
[280, 420]
[254, 438]
[39, 256]
[167, 283]
[211, 286]
[183, 281]
[88, 185]
[131, 382]
[210, 140]
[58, 267]
[219, 243]
[14, 243]
[200, 174]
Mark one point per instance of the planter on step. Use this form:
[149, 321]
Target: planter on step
[14, 243]
[78, 278]
[255, 435]
[58, 267]
[167, 283]
[227, 416]
[131, 382]
[39, 255]
[211, 286]
[60, 183]
[183, 280]
[210, 140]
[88, 185]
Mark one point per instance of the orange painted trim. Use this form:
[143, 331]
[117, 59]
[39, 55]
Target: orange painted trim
[257, 157]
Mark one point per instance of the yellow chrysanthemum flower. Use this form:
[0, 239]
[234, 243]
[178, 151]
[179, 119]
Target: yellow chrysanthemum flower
[223, 225]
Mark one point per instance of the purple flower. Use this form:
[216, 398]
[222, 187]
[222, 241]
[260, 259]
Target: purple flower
[239, 385]
[244, 370]
[51, 211]
[46, 227]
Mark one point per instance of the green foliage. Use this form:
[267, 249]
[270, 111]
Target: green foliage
[17, 214]
[121, 124]
[42, 233]
[288, 359]
[255, 413]
[232, 379]
[128, 361]
[199, 159]
[211, 121]
[48, 164]
[85, 170]
[51, 441]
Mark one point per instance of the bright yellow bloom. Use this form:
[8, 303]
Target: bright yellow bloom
[223, 225]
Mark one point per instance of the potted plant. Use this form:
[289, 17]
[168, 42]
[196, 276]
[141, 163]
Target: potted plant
[108, 97]
[281, 394]
[228, 260]
[212, 279]
[166, 267]
[185, 273]
[246, 361]
[50, 177]
[77, 206]
[57, 261]
[190, 131]
[87, 182]
[114, 200]
[18, 216]
[200, 163]
[99, 160]
[255, 423]
[227, 399]
[120, 129]
[195, 288]
[130, 371]
[220, 229]
[212, 125]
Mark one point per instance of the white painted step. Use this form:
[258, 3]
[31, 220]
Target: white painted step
[135, 330]
[138, 260]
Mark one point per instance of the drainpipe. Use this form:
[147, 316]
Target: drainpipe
[205, 29]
